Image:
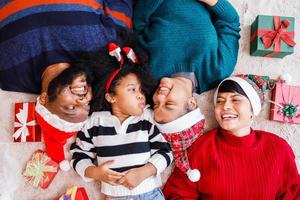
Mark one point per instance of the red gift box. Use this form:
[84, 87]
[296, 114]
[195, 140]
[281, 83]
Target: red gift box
[74, 193]
[40, 170]
[26, 128]
[285, 103]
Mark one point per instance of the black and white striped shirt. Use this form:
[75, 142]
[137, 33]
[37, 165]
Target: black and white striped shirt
[131, 144]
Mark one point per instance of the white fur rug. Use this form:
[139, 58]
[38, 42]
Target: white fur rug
[13, 156]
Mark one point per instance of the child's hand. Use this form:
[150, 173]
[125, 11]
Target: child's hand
[103, 173]
[209, 2]
[135, 176]
[132, 178]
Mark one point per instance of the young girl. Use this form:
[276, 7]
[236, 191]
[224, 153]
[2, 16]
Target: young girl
[121, 136]
[236, 161]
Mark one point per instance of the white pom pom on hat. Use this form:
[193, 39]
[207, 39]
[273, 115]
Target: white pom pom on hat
[193, 174]
[65, 165]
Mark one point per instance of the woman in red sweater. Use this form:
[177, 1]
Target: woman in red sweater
[235, 161]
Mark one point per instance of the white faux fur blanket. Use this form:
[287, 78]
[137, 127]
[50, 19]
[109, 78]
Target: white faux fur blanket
[13, 156]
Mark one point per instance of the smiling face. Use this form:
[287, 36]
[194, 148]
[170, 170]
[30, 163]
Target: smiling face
[172, 99]
[72, 102]
[233, 113]
[128, 99]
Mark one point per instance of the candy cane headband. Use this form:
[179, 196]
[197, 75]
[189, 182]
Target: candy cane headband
[115, 51]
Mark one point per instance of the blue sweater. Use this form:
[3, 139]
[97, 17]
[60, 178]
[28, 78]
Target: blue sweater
[36, 34]
[189, 37]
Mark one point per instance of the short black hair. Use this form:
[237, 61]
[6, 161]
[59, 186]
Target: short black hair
[66, 77]
[231, 86]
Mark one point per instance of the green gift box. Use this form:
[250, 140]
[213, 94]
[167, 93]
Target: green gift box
[272, 36]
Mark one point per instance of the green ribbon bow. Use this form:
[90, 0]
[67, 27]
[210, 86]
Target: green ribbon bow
[289, 110]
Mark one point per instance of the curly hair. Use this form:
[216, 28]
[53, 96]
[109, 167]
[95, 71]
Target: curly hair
[103, 65]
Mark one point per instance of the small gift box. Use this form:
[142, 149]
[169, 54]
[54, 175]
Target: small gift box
[40, 170]
[285, 103]
[26, 128]
[74, 193]
[272, 36]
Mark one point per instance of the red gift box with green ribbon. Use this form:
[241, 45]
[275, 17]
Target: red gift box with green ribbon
[40, 170]
[272, 36]
[285, 103]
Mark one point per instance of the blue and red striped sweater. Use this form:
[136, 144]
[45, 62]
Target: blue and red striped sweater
[37, 33]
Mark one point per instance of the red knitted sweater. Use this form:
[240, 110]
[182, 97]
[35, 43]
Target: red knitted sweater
[260, 165]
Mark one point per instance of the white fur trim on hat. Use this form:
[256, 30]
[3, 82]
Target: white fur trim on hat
[182, 123]
[249, 91]
[55, 121]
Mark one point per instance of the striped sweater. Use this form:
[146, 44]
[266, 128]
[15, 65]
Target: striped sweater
[131, 144]
[37, 33]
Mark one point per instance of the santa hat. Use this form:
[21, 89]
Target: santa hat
[180, 134]
[55, 131]
[254, 86]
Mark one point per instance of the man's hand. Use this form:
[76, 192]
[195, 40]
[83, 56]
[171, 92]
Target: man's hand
[209, 2]
[103, 173]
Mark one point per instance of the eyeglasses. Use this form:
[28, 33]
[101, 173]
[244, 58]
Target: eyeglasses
[80, 92]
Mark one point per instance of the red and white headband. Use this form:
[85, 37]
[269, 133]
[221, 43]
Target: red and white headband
[115, 51]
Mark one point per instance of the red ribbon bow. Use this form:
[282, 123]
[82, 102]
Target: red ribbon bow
[274, 37]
